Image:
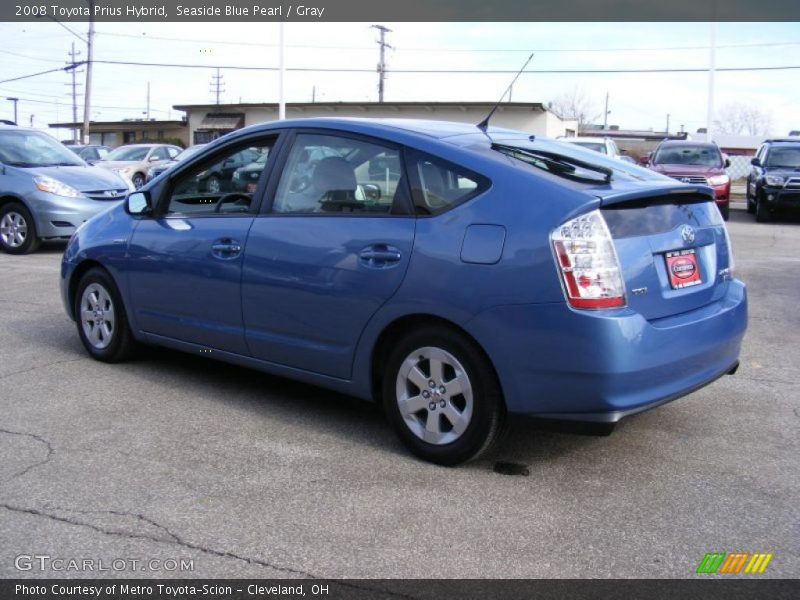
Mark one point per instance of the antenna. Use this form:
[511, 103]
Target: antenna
[485, 123]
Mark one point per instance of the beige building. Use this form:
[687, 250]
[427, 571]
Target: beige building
[131, 131]
[208, 121]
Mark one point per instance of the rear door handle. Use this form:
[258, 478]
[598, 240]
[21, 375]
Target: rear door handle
[226, 248]
[380, 255]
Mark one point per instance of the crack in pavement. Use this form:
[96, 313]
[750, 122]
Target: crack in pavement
[118, 513]
[50, 451]
[177, 540]
[35, 367]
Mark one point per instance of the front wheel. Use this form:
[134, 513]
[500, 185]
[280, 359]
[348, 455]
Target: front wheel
[138, 180]
[100, 316]
[763, 213]
[725, 211]
[442, 396]
[17, 229]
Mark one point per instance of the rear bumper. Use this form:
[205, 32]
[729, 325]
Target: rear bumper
[555, 362]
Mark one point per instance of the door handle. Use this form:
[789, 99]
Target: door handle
[226, 248]
[380, 255]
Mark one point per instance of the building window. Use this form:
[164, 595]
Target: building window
[128, 137]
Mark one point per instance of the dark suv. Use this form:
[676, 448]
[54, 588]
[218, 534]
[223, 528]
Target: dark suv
[774, 179]
[697, 163]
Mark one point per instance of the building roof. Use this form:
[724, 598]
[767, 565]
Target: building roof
[535, 106]
[123, 123]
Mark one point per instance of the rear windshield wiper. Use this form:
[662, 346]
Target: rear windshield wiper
[560, 164]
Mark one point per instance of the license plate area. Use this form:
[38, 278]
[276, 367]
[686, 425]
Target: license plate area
[682, 269]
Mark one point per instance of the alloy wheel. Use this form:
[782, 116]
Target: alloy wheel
[13, 229]
[434, 395]
[97, 316]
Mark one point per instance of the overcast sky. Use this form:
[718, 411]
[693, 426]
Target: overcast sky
[636, 100]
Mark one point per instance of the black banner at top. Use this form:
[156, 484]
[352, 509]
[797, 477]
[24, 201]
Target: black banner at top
[399, 10]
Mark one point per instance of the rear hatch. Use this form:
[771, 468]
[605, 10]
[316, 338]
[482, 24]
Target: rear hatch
[672, 246]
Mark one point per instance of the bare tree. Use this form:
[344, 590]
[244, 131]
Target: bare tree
[738, 118]
[575, 105]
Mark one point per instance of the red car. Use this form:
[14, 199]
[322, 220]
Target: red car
[695, 162]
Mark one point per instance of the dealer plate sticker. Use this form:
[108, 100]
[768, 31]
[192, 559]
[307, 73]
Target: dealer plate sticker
[683, 269]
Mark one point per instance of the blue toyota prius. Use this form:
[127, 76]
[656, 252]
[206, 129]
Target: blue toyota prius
[453, 273]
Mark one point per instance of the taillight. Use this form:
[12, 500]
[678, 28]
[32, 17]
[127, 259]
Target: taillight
[731, 263]
[588, 263]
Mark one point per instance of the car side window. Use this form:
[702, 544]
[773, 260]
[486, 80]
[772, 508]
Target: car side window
[443, 185]
[339, 175]
[159, 153]
[215, 188]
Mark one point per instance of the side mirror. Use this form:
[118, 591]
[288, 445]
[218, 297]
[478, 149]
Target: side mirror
[755, 162]
[153, 158]
[137, 203]
[727, 162]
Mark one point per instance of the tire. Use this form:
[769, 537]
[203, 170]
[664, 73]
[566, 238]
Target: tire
[213, 185]
[725, 211]
[763, 214]
[751, 204]
[138, 180]
[442, 427]
[100, 317]
[17, 229]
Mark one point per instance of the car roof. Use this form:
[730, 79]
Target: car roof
[583, 138]
[430, 128]
[783, 141]
[688, 143]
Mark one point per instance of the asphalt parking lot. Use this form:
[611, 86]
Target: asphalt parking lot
[175, 457]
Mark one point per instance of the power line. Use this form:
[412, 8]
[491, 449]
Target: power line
[446, 71]
[143, 36]
[50, 60]
[67, 68]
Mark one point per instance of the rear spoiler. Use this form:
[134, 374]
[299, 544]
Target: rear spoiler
[680, 193]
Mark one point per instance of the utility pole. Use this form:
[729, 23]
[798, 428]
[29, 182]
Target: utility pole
[73, 56]
[711, 69]
[148, 102]
[667, 129]
[217, 86]
[382, 64]
[281, 74]
[87, 102]
[605, 114]
[14, 100]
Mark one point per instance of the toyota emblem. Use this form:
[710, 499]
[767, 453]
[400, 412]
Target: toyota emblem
[687, 233]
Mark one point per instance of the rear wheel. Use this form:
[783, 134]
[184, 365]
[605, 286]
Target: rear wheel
[17, 229]
[442, 396]
[100, 316]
